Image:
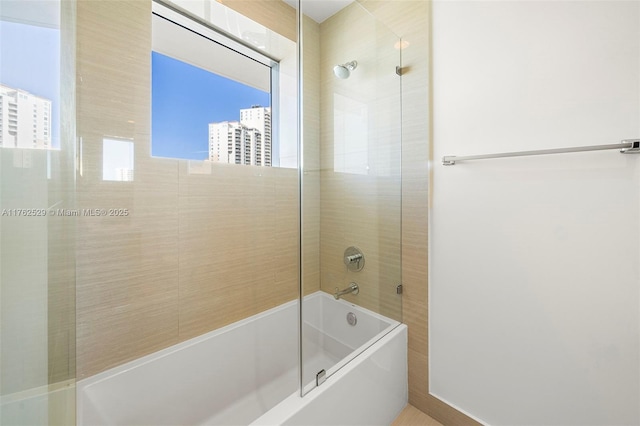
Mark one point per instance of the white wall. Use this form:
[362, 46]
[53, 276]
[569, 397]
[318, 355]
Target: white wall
[534, 287]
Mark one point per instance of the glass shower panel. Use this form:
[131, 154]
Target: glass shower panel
[37, 237]
[205, 240]
[351, 187]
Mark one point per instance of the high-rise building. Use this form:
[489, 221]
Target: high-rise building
[247, 141]
[25, 119]
[227, 142]
[259, 118]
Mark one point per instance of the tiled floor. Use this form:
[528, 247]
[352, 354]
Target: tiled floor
[411, 416]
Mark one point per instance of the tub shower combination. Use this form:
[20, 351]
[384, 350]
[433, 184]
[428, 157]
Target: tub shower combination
[317, 359]
[237, 375]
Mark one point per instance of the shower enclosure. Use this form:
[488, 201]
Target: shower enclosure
[350, 170]
[111, 252]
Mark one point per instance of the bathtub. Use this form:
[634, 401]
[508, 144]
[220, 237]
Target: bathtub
[247, 373]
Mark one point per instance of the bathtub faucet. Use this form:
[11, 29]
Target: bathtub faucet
[353, 288]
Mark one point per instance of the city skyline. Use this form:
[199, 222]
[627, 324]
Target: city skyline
[247, 141]
[185, 99]
[37, 73]
[25, 119]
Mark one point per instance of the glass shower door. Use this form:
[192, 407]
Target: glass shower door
[37, 238]
[351, 187]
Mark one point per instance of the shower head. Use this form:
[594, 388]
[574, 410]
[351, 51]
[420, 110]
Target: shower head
[344, 71]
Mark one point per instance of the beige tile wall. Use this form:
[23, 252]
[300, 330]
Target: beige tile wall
[280, 17]
[198, 251]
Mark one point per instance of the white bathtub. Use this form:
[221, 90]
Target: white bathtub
[247, 373]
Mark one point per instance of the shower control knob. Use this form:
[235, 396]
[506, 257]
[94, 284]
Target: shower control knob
[353, 259]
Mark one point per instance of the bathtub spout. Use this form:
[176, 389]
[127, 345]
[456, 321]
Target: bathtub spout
[353, 288]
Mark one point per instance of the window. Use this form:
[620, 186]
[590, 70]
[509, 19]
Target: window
[29, 74]
[117, 160]
[211, 96]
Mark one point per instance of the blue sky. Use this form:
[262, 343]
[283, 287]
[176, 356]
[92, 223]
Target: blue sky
[185, 99]
[30, 61]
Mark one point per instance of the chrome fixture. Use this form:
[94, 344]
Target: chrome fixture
[352, 319]
[353, 289]
[354, 259]
[344, 70]
[626, 146]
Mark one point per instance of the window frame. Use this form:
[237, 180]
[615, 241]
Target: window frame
[198, 26]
